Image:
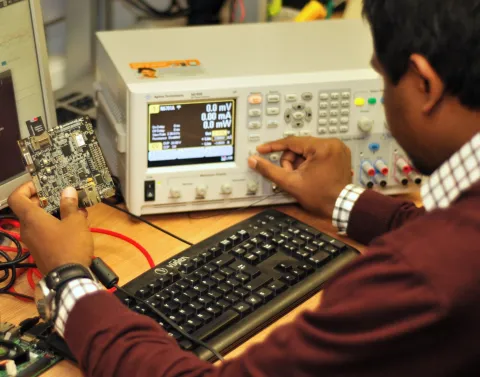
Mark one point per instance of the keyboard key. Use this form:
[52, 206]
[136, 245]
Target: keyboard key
[192, 278]
[251, 258]
[181, 300]
[200, 288]
[243, 234]
[290, 249]
[319, 244]
[235, 240]
[312, 249]
[282, 225]
[224, 304]
[261, 254]
[186, 344]
[224, 288]
[215, 295]
[248, 246]
[284, 266]
[170, 307]
[214, 310]
[274, 230]
[143, 293]
[187, 328]
[278, 241]
[202, 273]
[187, 312]
[216, 251]
[162, 297]
[241, 292]
[227, 271]
[195, 323]
[244, 268]
[139, 309]
[207, 256]
[258, 282]
[265, 294]
[306, 237]
[129, 302]
[239, 252]
[164, 281]
[211, 268]
[265, 235]
[210, 283]
[174, 275]
[300, 274]
[293, 231]
[289, 279]
[302, 254]
[218, 277]
[173, 290]
[232, 298]
[224, 260]
[254, 301]
[197, 261]
[242, 308]
[298, 242]
[243, 278]
[183, 284]
[319, 259]
[196, 306]
[330, 248]
[307, 268]
[256, 240]
[226, 245]
[268, 247]
[205, 316]
[277, 287]
[154, 287]
[187, 267]
[224, 321]
[286, 236]
[308, 230]
[326, 238]
[177, 318]
[233, 282]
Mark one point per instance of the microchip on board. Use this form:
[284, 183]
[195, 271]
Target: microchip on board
[68, 155]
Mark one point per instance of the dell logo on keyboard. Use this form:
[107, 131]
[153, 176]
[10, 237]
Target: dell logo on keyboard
[177, 262]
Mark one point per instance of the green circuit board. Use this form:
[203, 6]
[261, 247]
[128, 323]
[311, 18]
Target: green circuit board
[34, 361]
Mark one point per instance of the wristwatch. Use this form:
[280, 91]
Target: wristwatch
[48, 290]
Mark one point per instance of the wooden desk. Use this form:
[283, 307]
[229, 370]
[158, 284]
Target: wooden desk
[129, 263]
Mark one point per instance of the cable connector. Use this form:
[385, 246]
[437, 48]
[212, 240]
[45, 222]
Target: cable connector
[104, 273]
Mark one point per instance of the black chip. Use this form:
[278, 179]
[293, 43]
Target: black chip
[99, 179]
[66, 150]
[82, 175]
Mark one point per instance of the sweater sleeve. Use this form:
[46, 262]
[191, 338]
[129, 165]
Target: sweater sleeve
[375, 214]
[376, 314]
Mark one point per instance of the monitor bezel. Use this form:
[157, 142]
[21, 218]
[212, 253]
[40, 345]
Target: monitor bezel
[8, 187]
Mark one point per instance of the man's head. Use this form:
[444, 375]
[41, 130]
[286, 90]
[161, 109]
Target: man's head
[428, 53]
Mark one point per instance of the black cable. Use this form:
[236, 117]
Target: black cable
[17, 295]
[149, 223]
[173, 324]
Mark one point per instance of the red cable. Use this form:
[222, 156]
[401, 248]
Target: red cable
[11, 222]
[242, 10]
[126, 239]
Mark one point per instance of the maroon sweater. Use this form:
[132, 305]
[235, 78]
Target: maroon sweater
[409, 307]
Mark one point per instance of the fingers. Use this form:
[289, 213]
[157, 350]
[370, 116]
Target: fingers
[69, 203]
[270, 171]
[24, 200]
[298, 145]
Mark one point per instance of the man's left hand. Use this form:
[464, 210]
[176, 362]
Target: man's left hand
[52, 242]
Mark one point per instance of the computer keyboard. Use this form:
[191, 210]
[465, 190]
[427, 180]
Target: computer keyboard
[230, 286]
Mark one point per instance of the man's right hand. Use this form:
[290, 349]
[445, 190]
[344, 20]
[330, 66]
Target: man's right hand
[314, 171]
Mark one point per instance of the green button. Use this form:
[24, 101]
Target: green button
[372, 101]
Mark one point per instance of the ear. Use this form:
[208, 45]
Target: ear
[430, 84]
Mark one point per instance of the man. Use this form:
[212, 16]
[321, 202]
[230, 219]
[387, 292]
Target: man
[410, 305]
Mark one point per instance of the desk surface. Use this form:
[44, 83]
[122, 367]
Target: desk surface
[129, 263]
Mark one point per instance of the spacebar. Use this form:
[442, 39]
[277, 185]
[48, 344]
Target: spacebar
[217, 325]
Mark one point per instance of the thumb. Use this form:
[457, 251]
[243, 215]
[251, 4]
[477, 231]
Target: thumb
[272, 172]
[68, 202]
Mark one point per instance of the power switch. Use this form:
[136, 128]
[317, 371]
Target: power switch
[149, 191]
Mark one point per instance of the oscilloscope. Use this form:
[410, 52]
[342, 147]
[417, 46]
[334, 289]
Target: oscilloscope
[181, 110]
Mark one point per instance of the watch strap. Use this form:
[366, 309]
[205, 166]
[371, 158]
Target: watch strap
[63, 274]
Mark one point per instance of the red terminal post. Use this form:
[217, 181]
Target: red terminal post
[403, 166]
[382, 167]
[368, 168]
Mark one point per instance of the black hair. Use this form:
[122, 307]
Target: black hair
[445, 32]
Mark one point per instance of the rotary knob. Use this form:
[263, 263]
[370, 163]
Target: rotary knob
[252, 187]
[175, 193]
[201, 191]
[226, 189]
[365, 124]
